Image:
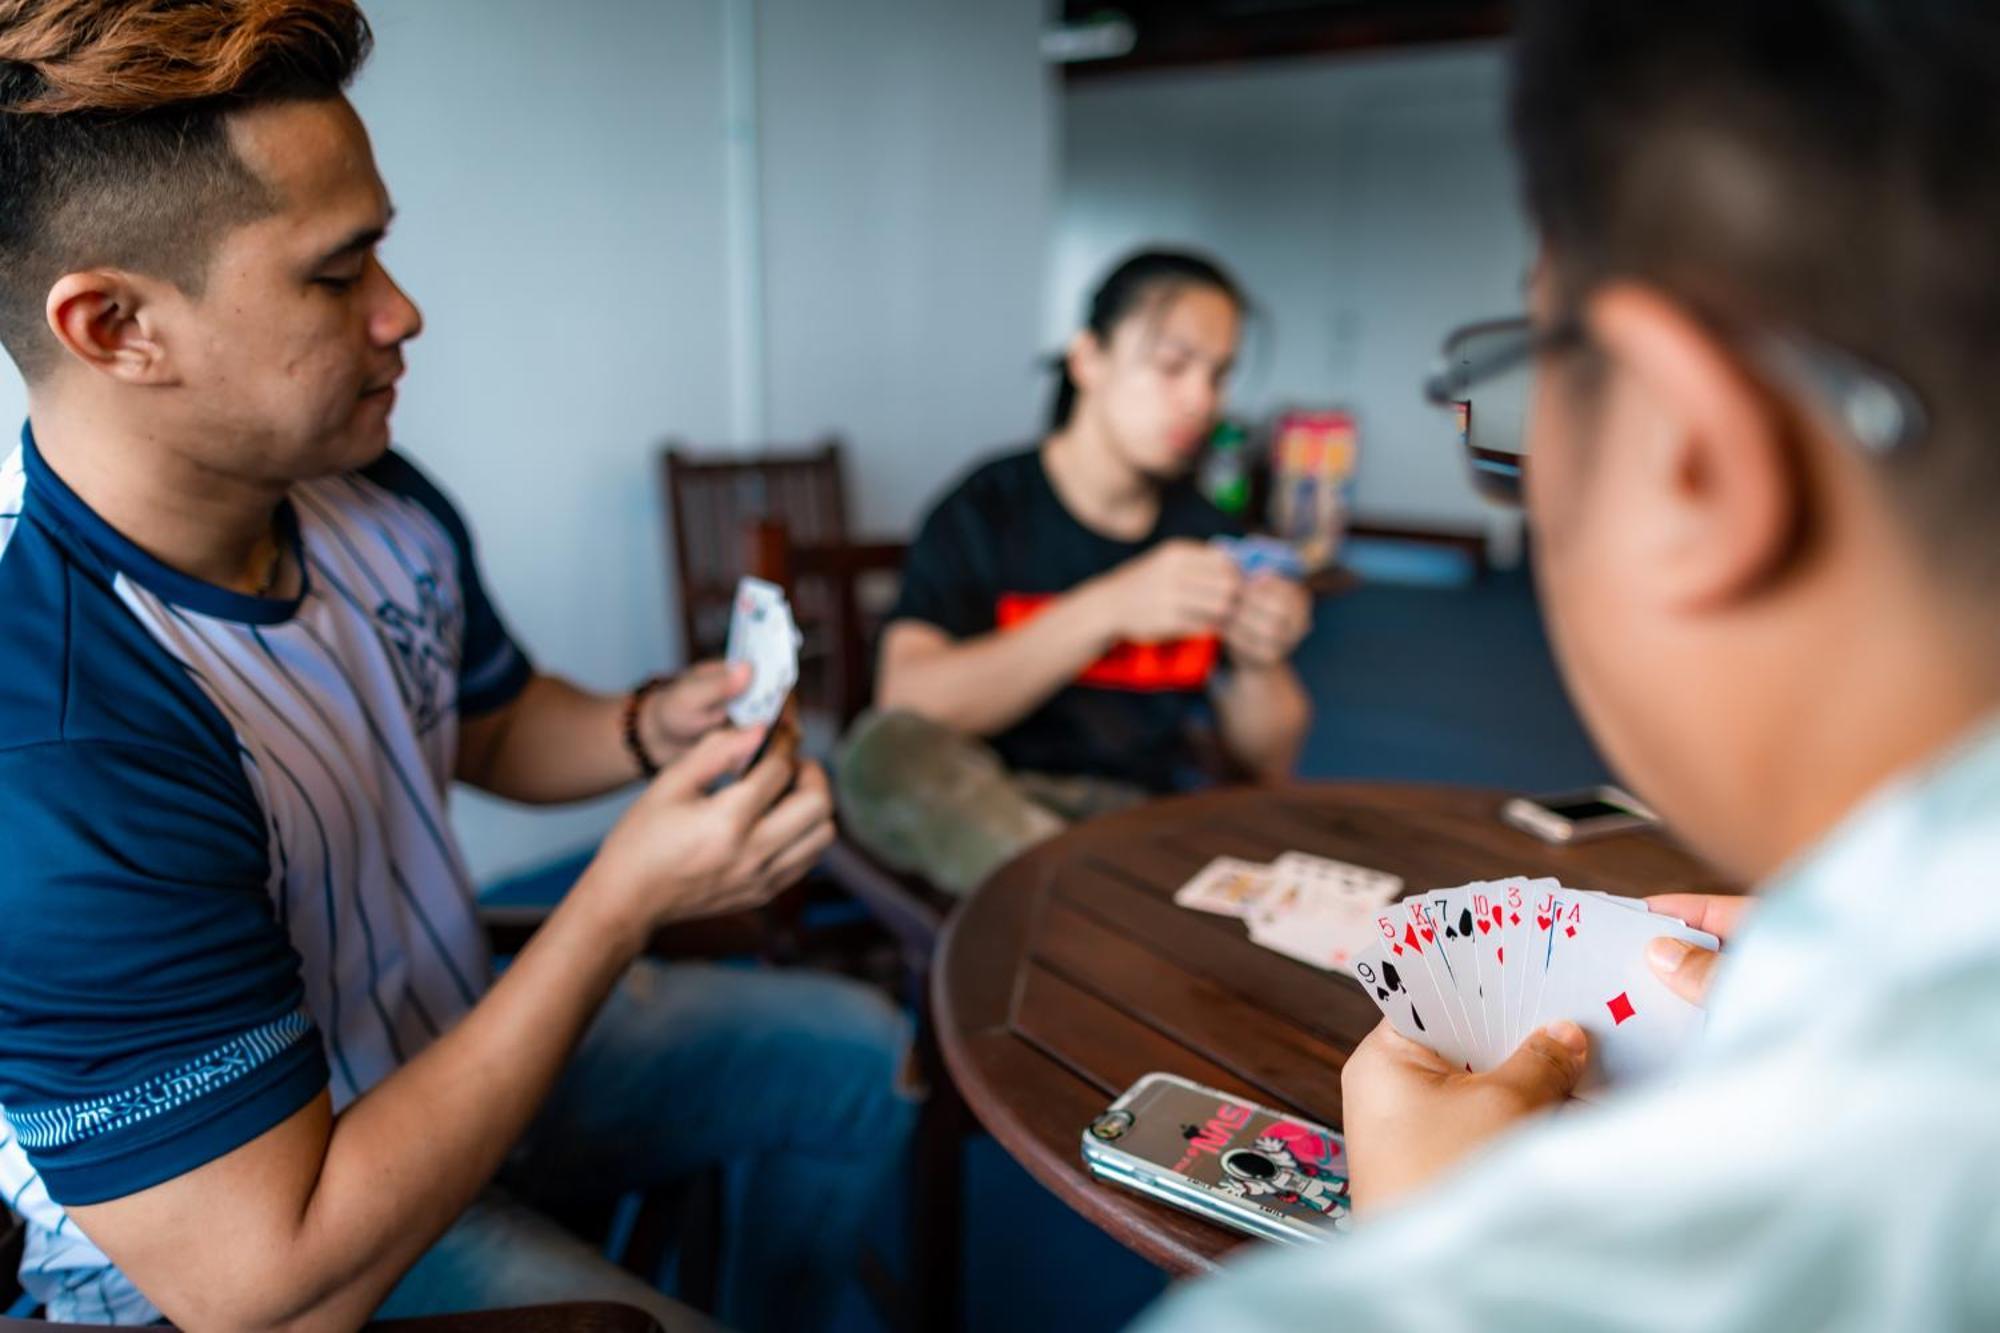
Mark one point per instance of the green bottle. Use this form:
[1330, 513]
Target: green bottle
[1225, 469]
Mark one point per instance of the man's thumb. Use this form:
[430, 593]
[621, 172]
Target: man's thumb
[720, 752]
[1684, 967]
[1546, 1067]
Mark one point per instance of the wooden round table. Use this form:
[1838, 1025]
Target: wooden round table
[1071, 972]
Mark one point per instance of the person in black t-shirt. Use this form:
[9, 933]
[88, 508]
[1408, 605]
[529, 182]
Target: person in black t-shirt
[1066, 625]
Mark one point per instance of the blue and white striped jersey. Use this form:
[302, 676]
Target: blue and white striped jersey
[229, 880]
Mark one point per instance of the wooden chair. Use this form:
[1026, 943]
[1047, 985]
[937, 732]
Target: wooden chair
[714, 502]
[782, 516]
[912, 910]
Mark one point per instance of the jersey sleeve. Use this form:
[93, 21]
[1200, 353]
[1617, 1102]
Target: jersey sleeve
[151, 1011]
[945, 578]
[493, 668]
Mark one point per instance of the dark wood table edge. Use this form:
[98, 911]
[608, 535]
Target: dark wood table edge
[1108, 1207]
[1141, 1224]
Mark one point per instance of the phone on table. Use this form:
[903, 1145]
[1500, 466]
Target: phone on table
[1263, 1172]
[1573, 816]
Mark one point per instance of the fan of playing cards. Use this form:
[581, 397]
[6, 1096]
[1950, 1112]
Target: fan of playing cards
[762, 633]
[1471, 971]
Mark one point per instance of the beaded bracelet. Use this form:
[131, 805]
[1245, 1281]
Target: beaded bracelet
[629, 726]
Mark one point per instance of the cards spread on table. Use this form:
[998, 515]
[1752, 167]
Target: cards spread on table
[1258, 555]
[1472, 971]
[762, 633]
[1305, 907]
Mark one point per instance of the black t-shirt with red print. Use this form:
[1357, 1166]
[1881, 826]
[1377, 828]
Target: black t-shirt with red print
[999, 547]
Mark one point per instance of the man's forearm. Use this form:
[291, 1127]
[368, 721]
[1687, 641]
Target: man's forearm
[553, 743]
[985, 685]
[408, 1157]
[311, 1224]
[1264, 713]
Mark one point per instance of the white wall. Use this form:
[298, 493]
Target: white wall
[908, 159]
[1368, 203]
[560, 178]
[555, 174]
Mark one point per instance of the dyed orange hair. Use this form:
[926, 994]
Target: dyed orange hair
[113, 149]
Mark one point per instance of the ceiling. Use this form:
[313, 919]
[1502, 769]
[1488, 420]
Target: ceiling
[1179, 33]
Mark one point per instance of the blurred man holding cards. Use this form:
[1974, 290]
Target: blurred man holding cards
[1073, 613]
[1762, 464]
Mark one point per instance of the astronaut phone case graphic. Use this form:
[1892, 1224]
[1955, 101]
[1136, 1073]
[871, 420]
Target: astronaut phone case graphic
[1232, 1161]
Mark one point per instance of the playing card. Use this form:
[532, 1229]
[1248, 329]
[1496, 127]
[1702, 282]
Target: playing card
[1325, 931]
[1490, 956]
[1339, 878]
[1258, 555]
[1400, 986]
[1547, 899]
[1452, 910]
[1599, 979]
[1411, 932]
[1519, 937]
[1227, 886]
[763, 634]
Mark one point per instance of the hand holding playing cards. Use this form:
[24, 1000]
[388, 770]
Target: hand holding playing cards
[1178, 589]
[1683, 967]
[1409, 1115]
[680, 852]
[689, 706]
[1271, 615]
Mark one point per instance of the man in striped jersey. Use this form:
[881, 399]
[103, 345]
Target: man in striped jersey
[254, 1066]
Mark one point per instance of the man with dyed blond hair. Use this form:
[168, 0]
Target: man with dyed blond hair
[254, 1066]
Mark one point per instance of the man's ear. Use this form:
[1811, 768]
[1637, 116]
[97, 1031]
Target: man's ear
[110, 321]
[1717, 465]
[1084, 357]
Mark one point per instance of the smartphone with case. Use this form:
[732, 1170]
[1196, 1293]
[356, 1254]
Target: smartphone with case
[1272, 1175]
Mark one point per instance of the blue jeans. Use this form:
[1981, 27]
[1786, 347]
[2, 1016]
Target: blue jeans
[791, 1080]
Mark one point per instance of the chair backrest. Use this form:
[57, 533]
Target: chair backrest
[714, 502]
[832, 579]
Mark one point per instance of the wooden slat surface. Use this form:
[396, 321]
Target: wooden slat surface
[1072, 973]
